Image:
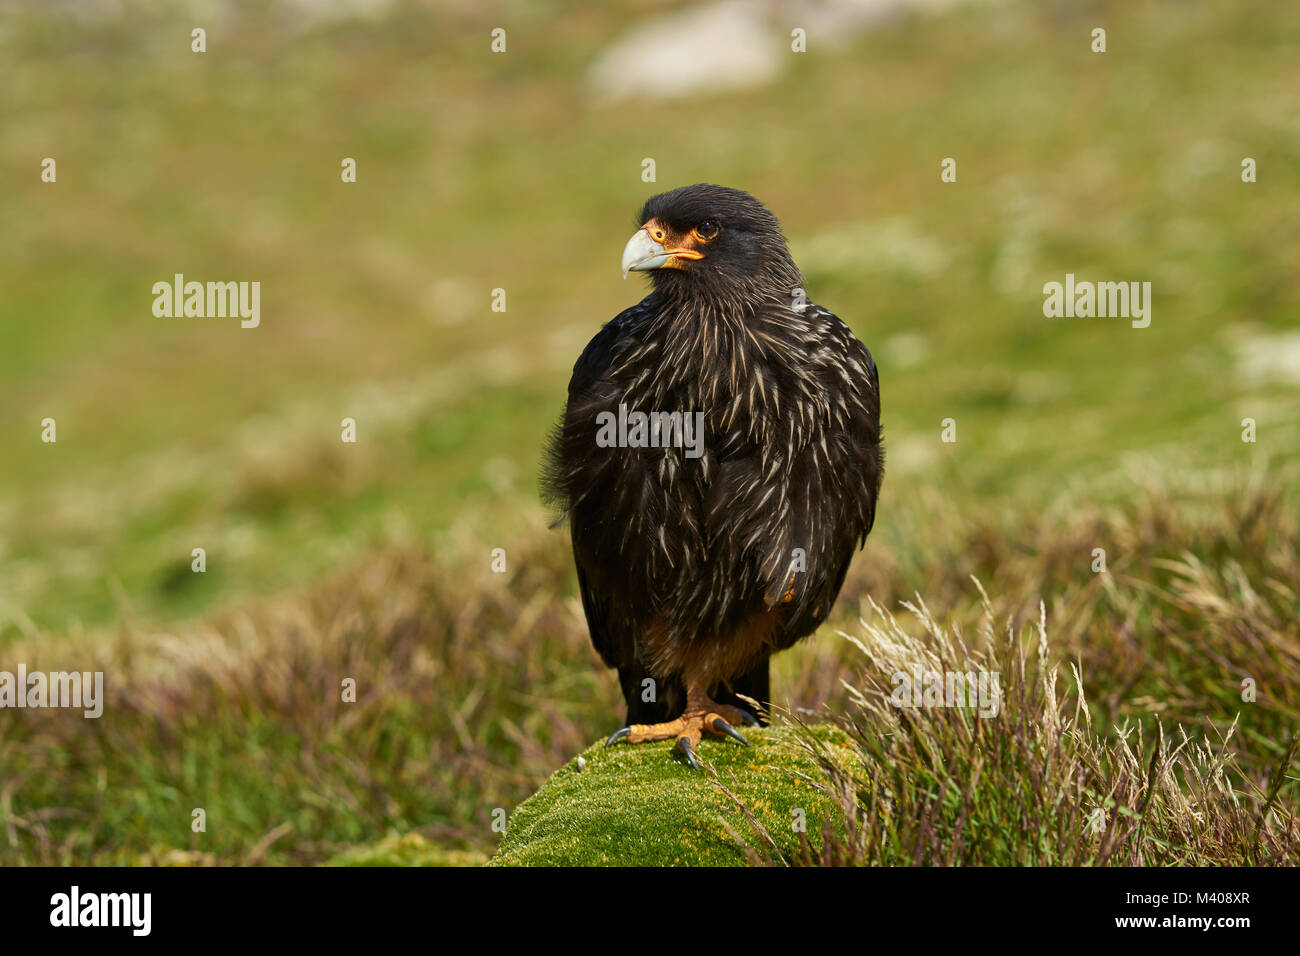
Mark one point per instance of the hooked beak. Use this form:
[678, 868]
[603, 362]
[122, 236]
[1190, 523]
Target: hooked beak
[643, 252]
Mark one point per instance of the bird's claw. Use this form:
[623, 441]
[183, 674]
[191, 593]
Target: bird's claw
[703, 716]
[684, 745]
[722, 727]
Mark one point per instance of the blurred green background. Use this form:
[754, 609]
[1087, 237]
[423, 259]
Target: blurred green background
[522, 170]
[480, 171]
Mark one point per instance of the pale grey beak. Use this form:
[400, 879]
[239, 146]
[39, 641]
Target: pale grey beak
[642, 253]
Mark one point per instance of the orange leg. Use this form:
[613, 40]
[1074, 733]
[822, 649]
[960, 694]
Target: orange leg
[701, 716]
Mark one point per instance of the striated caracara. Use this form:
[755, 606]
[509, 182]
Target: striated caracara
[718, 462]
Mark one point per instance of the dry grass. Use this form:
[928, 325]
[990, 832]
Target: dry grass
[1037, 783]
[473, 687]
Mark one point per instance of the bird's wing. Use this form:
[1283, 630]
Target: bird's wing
[612, 643]
[857, 459]
[598, 356]
[574, 472]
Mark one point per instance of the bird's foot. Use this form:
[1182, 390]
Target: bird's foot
[701, 717]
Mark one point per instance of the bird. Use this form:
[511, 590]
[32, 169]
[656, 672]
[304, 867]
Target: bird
[718, 463]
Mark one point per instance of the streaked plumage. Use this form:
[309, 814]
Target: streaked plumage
[685, 564]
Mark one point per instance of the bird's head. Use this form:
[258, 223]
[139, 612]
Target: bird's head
[706, 237]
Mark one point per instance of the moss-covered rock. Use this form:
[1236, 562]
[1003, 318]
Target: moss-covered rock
[643, 806]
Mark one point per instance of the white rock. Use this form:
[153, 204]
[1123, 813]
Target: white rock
[732, 44]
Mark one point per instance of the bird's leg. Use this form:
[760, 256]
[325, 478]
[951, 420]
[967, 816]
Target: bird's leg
[701, 716]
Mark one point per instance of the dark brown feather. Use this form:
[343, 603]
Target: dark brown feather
[684, 562]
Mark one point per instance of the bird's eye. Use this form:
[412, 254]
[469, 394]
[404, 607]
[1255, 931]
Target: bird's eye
[708, 230]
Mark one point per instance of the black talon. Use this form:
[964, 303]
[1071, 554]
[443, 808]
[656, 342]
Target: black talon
[722, 727]
[618, 735]
[685, 744]
[747, 717]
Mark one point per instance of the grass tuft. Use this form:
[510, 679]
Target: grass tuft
[1035, 784]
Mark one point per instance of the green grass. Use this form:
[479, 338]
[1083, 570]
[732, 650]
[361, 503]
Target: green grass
[473, 687]
[479, 172]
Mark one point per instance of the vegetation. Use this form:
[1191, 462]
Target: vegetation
[372, 561]
[638, 806]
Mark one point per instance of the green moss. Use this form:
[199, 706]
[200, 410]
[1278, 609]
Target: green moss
[405, 849]
[643, 806]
